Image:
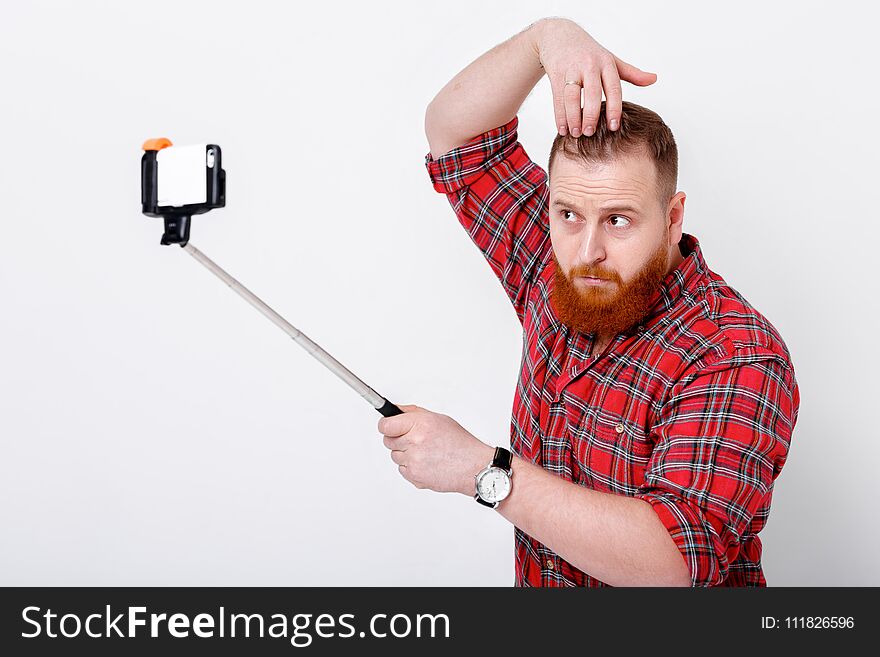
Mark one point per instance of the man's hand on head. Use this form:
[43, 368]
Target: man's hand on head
[434, 451]
[569, 54]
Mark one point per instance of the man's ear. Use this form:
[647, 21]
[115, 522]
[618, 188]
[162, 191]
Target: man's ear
[675, 217]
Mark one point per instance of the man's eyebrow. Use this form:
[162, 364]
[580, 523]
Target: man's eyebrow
[611, 205]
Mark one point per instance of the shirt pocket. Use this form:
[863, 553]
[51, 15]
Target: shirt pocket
[616, 455]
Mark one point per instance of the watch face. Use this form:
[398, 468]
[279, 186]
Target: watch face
[493, 485]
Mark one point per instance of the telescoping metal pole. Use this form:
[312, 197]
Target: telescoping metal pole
[376, 400]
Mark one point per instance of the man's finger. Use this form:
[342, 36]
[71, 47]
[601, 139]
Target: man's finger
[395, 443]
[571, 95]
[592, 102]
[634, 75]
[403, 472]
[398, 457]
[397, 425]
[558, 105]
[613, 97]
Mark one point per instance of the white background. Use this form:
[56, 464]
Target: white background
[156, 430]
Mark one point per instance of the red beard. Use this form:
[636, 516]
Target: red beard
[609, 308]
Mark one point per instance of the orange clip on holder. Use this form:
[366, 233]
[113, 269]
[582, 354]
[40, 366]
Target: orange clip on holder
[177, 218]
[157, 144]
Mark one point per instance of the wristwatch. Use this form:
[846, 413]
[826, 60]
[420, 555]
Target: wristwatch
[493, 481]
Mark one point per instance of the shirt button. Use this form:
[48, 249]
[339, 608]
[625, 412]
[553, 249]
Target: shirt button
[549, 565]
[641, 329]
[619, 428]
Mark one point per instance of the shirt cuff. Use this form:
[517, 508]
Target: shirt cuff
[463, 165]
[696, 538]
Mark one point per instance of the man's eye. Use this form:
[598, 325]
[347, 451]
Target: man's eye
[617, 216]
[566, 213]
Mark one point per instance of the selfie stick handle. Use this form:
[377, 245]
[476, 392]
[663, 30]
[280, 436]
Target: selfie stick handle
[376, 400]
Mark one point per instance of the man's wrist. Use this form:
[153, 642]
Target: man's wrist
[537, 33]
[483, 457]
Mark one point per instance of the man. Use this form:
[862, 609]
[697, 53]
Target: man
[655, 406]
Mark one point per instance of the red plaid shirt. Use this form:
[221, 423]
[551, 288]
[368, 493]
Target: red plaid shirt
[691, 411]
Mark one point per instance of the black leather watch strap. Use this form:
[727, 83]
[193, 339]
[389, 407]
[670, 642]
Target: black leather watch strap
[484, 502]
[502, 458]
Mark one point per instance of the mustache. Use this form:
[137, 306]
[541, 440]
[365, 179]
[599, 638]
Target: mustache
[593, 273]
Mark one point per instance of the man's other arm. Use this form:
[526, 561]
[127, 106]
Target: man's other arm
[722, 440]
[486, 94]
[489, 91]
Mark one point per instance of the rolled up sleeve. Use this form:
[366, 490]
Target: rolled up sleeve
[500, 198]
[722, 439]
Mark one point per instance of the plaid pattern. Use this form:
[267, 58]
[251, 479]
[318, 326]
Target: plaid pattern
[691, 411]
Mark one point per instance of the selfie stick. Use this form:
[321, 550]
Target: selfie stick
[377, 401]
[177, 225]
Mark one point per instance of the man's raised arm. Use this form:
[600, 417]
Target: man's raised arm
[489, 91]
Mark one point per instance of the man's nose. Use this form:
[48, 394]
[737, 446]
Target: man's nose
[592, 248]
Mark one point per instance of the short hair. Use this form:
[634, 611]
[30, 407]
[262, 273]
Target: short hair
[641, 132]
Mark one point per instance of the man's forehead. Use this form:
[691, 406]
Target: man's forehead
[631, 175]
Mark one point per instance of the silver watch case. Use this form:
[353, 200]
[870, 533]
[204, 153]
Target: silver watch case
[485, 471]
